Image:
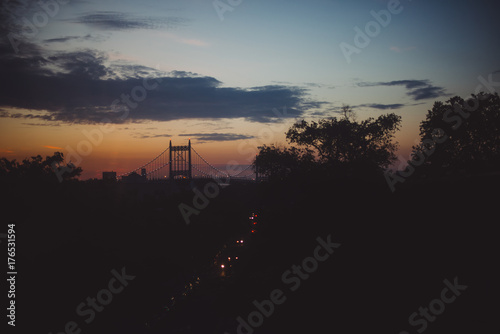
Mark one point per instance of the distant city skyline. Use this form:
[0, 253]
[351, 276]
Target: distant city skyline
[114, 81]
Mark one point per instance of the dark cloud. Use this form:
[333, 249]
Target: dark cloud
[382, 106]
[127, 71]
[109, 20]
[183, 74]
[66, 39]
[429, 92]
[83, 64]
[206, 137]
[61, 39]
[78, 87]
[417, 89]
[82, 87]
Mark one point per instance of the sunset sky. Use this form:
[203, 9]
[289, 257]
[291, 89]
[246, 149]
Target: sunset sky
[126, 76]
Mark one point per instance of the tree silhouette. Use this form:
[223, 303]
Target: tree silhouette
[460, 135]
[278, 163]
[36, 169]
[348, 144]
[348, 112]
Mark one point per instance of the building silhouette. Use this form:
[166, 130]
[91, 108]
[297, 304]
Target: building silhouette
[109, 176]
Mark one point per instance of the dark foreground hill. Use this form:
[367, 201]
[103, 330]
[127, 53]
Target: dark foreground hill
[394, 255]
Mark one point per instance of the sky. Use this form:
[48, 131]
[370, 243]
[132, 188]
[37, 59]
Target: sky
[109, 83]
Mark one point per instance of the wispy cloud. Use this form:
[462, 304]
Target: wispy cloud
[110, 20]
[336, 110]
[416, 89]
[53, 147]
[206, 137]
[146, 136]
[42, 124]
[318, 85]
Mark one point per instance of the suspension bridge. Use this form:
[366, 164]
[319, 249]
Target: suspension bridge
[184, 162]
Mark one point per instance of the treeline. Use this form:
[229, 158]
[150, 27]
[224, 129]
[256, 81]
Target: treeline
[458, 136]
[38, 170]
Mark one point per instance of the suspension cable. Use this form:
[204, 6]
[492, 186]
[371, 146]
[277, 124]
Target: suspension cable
[152, 161]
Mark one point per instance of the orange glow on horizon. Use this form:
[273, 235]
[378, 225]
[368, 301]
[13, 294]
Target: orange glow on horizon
[130, 146]
[53, 147]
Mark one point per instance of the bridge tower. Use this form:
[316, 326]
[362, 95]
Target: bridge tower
[180, 161]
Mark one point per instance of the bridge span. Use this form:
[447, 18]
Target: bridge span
[184, 162]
